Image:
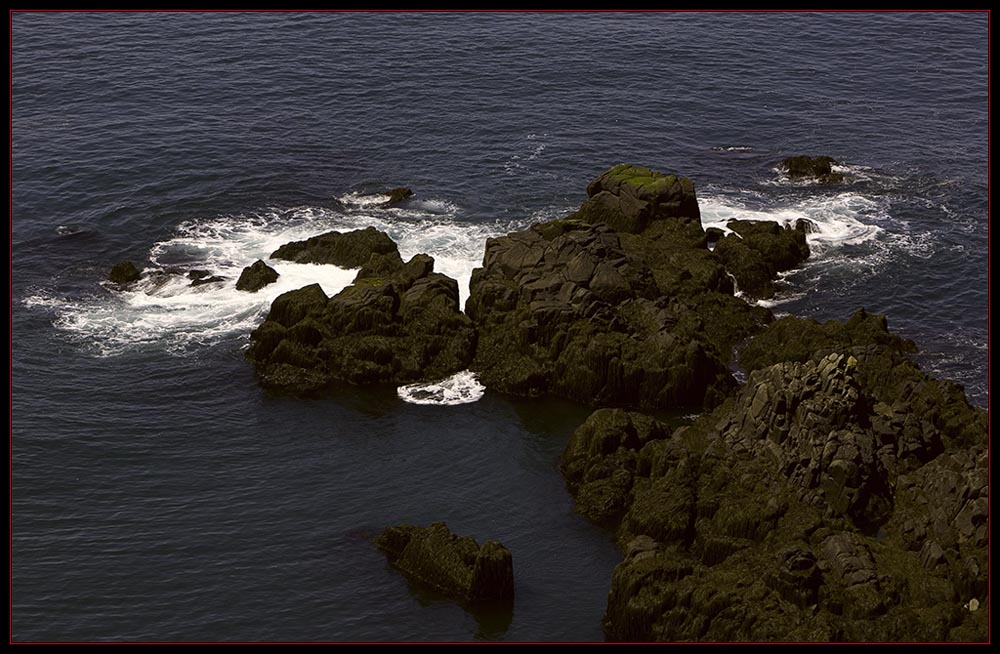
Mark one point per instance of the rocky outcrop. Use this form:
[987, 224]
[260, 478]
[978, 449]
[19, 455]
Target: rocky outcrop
[256, 276]
[805, 507]
[397, 195]
[454, 565]
[398, 323]
[629, 198]
[211, 279]
[622, 303]
[343, 249]
[564, 309]
[124, 273]
[819, 168]
[755, 252]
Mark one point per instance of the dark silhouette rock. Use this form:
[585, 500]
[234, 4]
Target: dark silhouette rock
[193, 275]
[397, 195]
[819, 168]
[454, 565]
[343, 249]
[256, 276]
[124, 273]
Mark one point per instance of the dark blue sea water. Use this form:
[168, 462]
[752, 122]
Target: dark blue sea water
[158, 494]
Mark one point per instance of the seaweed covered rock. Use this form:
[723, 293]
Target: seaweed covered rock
[802, 508]
[629, 198]
[819, 168]
[398, 323]
[564, 308]
[123, 273]
[344, 249]
[256, 276]
[454, 565]
[755, 252]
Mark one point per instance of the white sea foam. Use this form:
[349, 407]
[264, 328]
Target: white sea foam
[165, 310]
[460, 388]
[843, 219]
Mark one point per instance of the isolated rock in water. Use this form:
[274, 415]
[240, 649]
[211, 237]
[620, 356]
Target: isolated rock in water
[343, 249]
[399, 324]
[124, 273]
[454, 565]
[819, 168]
[207, 280]
[256, 276]
[629, 198]
[397, 195]
[757, 251]
[194, 275]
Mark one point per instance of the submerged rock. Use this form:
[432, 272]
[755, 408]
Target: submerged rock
[256, 276]
[200, 281]
[454, 565]
[123, 273]
[343, 249]
[819, 168]
[398, 323]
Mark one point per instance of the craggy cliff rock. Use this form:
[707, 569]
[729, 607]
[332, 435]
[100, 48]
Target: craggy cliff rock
[256, 276]
[454, 565]
[805, 507]
[344, 249]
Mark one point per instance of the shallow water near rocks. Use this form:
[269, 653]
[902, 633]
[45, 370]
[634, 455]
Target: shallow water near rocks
[159, 494]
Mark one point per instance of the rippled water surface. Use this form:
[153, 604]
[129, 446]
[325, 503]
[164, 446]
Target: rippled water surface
[158, 494]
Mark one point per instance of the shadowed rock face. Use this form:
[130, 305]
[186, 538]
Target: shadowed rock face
[839, 495]
[343, 249]
[398, 323]
[256, 276]
[454, 565]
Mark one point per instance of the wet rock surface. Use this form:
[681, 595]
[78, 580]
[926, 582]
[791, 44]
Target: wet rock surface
[256, 276]
[343, 249]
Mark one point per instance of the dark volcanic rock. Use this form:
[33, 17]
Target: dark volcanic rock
[124, 273]
[564, 308]
[398, 326]
[344, 249]
[193, 275]
[256, 276]
[454, 565]
[819, 168]
[838, 495]
[757, 251]
[643, 317]
[397, 195]
[629, 198]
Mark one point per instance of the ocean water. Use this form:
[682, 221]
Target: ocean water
[159, 494]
